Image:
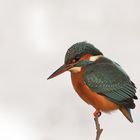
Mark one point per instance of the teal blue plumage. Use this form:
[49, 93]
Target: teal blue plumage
[79, 49]
[107, 78]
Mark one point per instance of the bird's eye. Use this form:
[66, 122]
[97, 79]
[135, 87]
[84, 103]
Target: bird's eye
[77, 57]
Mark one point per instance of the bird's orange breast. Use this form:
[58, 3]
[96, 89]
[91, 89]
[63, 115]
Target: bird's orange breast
[98, 101]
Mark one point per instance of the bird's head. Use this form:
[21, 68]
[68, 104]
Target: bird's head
[78, 56]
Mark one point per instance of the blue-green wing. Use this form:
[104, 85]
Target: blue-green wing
[108, 79]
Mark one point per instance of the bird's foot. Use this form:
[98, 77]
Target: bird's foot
[97, 113]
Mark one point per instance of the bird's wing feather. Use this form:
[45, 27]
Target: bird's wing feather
[108, 79]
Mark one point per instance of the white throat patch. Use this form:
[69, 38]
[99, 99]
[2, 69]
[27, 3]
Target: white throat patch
[94, 58]
[75, 69]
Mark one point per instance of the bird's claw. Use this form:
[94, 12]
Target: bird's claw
[97, 113]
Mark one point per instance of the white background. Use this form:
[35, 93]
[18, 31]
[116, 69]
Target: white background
[34, 37]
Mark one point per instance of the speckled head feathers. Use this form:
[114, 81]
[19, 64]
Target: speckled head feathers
[79, 49]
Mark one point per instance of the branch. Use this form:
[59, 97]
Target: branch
[98, 129]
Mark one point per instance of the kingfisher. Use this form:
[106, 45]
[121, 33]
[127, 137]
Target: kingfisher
[99, 81]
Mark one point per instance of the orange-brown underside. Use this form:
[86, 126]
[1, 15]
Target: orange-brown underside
[100, 102]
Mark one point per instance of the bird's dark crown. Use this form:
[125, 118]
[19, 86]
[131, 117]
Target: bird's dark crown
[76, 51]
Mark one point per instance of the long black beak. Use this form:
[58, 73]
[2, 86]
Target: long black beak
[61, 70]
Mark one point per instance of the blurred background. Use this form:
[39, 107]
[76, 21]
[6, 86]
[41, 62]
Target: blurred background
[34, 37]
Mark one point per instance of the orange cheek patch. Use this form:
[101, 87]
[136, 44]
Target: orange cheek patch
[86, 57]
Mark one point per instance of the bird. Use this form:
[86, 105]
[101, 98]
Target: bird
[98, 80]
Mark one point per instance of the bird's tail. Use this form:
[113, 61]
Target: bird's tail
[127, 113]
